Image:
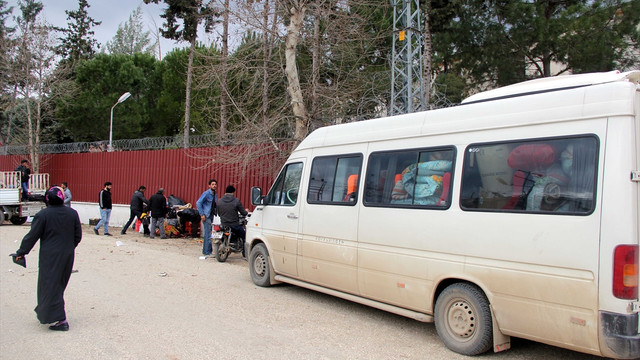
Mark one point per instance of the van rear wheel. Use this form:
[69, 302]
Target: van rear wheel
[463, 319]
[259, 267]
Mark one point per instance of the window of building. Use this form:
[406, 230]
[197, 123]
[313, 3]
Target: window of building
[544, 175]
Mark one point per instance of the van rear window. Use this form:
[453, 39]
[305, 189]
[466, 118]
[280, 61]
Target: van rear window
[410, 178]
[543, 175]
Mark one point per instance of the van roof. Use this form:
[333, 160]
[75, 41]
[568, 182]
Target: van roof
[554, 83]
[610, 95]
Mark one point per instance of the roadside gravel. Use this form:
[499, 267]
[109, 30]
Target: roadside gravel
[121, 305]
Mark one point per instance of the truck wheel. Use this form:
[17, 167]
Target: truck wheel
[463, 319]
[259, 267]
[18, 220]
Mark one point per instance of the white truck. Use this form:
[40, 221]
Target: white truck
[13, 208]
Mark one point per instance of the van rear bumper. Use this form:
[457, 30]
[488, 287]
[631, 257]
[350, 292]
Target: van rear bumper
[619, 337]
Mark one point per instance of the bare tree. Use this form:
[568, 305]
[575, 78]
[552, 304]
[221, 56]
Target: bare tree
[37, 79]
[224, 94]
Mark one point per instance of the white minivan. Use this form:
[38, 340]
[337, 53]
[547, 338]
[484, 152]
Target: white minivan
[513, 214]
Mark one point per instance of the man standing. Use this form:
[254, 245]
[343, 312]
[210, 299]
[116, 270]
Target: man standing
[24, 178]
[105, 209]
[206, 205]
[67, 194]
[138, 201]
[228, 208]
[59, 231]
[158, 207]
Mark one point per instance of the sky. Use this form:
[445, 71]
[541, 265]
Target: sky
[111, 13]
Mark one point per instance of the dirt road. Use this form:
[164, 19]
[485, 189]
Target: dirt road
[120, 306]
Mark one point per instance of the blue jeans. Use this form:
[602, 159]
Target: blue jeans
[206, 236]
[105, 215]
[25, 191]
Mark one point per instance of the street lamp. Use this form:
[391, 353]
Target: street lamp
[122, 98]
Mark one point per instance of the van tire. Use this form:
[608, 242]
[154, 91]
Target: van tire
[463, 319]
[259, 266]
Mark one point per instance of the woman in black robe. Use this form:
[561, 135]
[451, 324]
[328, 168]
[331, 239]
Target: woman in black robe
[59, 230]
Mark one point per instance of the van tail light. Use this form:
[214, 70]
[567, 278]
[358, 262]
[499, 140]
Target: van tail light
[625, 272]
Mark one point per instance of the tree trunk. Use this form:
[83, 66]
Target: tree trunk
[266, 55]
[223, 77]
[293, 88]
[315, 65]
[187, 102]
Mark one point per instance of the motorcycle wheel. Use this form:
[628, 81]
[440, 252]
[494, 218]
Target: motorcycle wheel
[221, 250]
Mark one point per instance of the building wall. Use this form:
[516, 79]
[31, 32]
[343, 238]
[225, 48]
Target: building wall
[182, 172]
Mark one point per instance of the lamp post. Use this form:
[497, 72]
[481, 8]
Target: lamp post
[122, 98]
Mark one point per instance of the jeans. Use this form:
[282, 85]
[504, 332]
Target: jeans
[25, 191]
[157, 222]
[105, 215]
[206, 236]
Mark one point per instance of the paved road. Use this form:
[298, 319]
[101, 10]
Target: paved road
[120, 307]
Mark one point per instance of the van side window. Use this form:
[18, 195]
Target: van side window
[334, 179]
[543, 175]
[414, 178]
[285, 188]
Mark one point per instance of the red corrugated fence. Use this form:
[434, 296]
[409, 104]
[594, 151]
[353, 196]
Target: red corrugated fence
[182, 172]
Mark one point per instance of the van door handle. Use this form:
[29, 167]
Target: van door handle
[292, 216]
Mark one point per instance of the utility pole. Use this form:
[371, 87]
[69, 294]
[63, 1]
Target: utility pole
[407, 91]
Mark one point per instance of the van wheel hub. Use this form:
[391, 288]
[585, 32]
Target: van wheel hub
[462, 320]
[259, 265]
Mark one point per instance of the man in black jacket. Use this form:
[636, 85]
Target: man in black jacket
[105, 209]
[24, 178]
[138, 201]
[228, 208]
[158, 207]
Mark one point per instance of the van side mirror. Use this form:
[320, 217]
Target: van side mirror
[256, 195]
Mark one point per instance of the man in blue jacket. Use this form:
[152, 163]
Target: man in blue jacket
[207, 208]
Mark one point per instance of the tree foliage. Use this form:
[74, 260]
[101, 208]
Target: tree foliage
[77, 42]
[100, 82]
[502, 42]
[131, 38]
[339, 51]
[193, 13]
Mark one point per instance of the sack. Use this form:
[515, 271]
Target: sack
[216, 220]
[532, 157]
[174, 200]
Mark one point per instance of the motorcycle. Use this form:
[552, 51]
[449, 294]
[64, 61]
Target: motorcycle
[228, 242]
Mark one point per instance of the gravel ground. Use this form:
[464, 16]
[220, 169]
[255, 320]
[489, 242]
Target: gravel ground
[121, 306]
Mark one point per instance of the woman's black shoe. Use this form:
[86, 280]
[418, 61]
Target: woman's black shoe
[60, 327]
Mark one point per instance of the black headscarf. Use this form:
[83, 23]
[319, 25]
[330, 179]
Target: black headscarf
[54, 196]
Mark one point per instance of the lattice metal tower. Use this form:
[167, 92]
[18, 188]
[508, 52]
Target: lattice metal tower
[407, 91]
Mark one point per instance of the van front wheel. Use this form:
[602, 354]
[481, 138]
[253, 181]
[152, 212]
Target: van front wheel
[259, 266]
[463, 319]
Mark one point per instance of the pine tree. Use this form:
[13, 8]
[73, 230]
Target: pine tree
[77, 42]
[131, 38]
